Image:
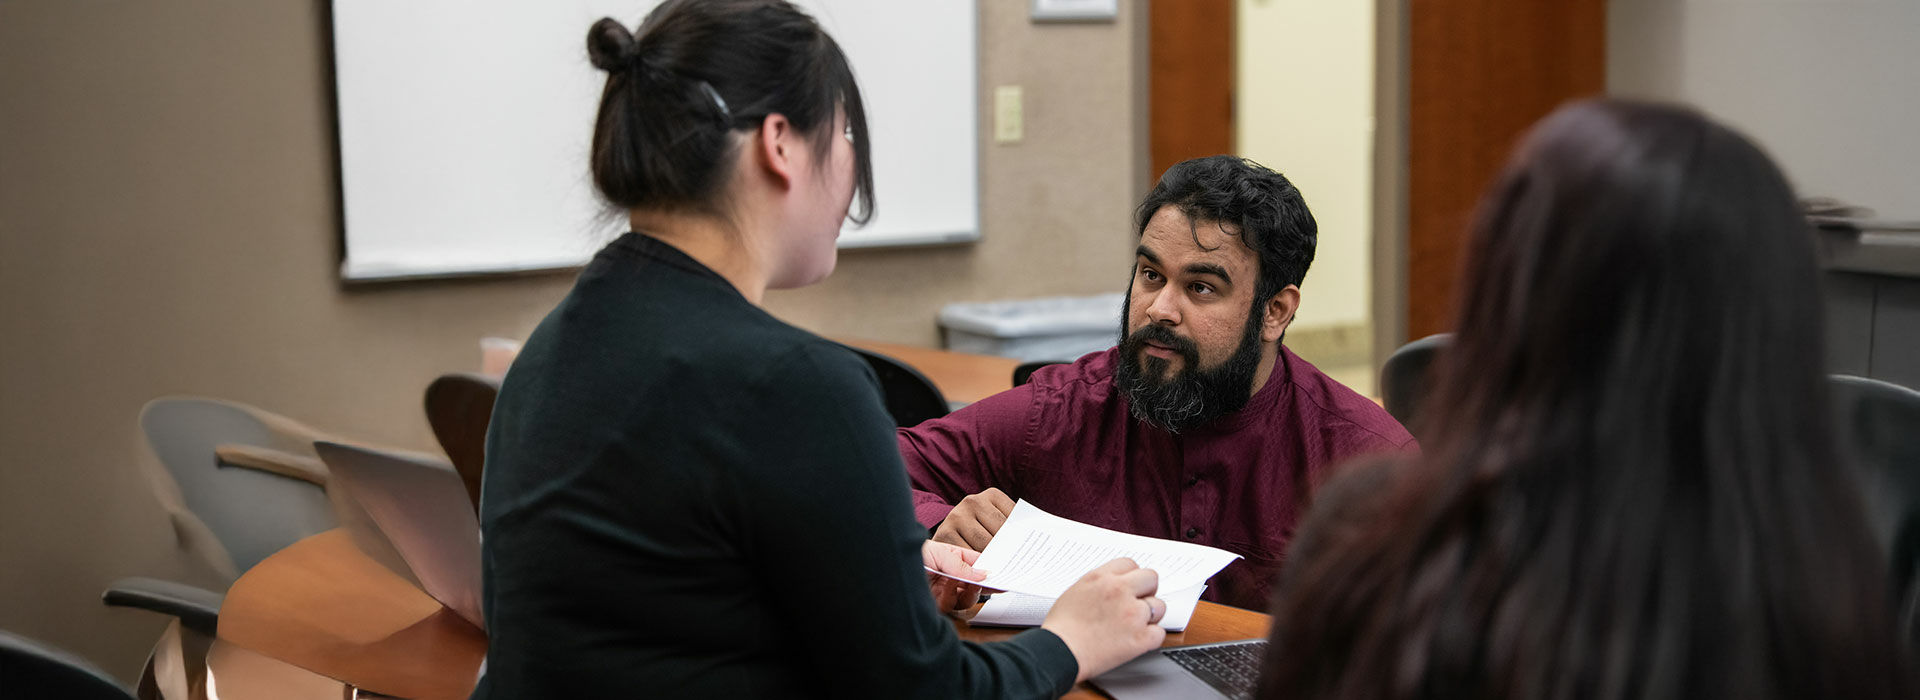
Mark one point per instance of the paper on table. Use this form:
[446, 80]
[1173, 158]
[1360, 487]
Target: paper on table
[1021, 610]
[1040, 554]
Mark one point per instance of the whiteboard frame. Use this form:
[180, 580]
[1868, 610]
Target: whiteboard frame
[359, 275]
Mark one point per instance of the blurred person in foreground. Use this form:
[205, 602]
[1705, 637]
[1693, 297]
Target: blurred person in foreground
[1630, 489]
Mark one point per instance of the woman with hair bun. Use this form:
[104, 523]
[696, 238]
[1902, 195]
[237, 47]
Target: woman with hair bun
[685, 496]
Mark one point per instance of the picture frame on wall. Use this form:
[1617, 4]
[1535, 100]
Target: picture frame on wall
[1075, 10]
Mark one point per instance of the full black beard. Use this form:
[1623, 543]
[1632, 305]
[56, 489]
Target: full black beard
[1193, 396]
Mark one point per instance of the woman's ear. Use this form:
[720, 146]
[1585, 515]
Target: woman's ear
[778, 145]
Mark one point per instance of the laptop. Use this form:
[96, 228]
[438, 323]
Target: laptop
[1220, 670]
[420, 504]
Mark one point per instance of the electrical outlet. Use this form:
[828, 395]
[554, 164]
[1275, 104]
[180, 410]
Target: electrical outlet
[1008, 115]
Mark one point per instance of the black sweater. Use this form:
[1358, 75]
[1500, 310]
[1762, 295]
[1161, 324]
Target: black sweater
[685, 496]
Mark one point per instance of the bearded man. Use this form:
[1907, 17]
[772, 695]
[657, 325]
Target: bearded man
[1200, 426]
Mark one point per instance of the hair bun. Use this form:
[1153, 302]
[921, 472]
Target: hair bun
[609, 45]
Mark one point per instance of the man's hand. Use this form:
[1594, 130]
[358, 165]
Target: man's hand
[974, 521]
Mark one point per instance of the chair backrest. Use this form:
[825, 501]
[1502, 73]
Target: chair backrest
[459, 407]
[1879, 423]
[210, 449]
[1024, 373]
[1406, 378]
[29, 669]
[911, 398]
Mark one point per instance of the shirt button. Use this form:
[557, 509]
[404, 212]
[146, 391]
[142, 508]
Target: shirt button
[1193, 532]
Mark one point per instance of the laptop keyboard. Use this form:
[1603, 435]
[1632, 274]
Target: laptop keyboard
[1232, 669]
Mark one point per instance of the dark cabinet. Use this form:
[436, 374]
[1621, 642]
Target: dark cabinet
[1872, 294]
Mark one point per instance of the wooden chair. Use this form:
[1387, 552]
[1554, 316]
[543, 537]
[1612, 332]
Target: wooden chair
[459, 407]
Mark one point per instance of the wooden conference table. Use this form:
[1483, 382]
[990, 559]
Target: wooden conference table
[963, 378]
[322, 608]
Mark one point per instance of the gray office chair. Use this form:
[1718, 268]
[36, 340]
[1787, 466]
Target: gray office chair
[238, 484]
[250, 476]
[1879, 423]
[29, 669]
[1406, 378]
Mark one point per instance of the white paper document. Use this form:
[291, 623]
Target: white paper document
[1042, 555]
[1021, 610]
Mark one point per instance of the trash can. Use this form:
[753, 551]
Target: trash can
[1031, 330]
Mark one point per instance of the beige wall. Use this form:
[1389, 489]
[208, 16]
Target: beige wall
[1056, 208]
[1827, 88]
[1304, 105]
[168, 224]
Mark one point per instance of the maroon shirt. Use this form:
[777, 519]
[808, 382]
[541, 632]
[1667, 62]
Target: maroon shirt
[1066, 443]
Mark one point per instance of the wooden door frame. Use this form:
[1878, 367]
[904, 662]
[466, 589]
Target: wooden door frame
[1392, 37]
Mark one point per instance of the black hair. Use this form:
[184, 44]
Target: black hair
[697, 71]
[1631, 488]
[1248, 200]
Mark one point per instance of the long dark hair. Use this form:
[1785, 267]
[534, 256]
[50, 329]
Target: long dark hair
[697, 71]
[1629, 488]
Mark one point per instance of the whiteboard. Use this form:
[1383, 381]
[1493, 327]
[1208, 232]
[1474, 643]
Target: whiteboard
[464, 128]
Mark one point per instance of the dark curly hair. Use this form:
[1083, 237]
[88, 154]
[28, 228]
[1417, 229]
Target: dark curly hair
[1247, 200]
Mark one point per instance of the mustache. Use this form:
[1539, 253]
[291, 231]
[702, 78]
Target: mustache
[1159, 335]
